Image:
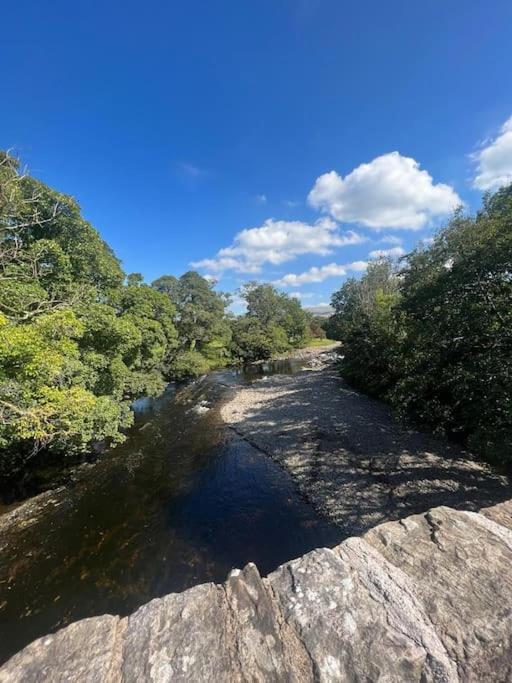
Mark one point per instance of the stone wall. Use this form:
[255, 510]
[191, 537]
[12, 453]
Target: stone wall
[427, 598]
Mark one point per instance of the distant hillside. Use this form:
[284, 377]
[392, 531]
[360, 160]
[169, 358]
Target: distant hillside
[322, 311]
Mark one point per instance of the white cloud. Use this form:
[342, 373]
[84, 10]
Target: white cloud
[261, 198]
[391, 239]
[494, 161]
[302, 295]
[358, 266]
[190, 170]
[237, 305]
[276, 242]
[314, 274]
[393, 252]
[319, 273]
[390, 191]
[290, 203]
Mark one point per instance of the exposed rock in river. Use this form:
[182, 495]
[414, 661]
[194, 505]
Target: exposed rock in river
[427, 598]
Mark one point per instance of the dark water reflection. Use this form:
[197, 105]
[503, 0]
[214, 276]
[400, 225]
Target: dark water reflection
[181, 502]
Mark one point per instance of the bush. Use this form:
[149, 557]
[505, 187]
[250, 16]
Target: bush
[189, 364]
[78, 339]
[435, 337]
[274, 323]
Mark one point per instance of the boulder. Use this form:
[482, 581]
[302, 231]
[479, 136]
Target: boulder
[426, 598]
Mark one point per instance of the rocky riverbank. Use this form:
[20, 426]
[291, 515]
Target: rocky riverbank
[428, 598]
[392, 609]
[308, 352]
[347, 454]
[25, 512]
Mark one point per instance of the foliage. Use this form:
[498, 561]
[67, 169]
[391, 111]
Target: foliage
[365, 322]
[50, 257]
[435, 338]
[201, 323]
[252, 341]
[317, 327]
[44, 398]
[80, 340]
[274, 323]
[319, 342]
[188, 364]
[457, 299]
[77, 344]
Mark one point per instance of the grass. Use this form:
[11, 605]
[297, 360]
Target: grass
[317, 342]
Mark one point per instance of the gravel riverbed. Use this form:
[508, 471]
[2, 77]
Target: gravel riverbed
[347, 454]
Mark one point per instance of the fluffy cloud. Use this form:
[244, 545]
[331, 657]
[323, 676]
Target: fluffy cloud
[357, 266]
[210, 277]
[394, 252]
[390, 191]
[276, 242]
[494, 161]
[319, 273]
[302, 295]
[391, 239]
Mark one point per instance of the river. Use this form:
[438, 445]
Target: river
[181, 502]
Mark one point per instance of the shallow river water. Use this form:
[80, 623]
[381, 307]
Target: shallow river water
[182, 502]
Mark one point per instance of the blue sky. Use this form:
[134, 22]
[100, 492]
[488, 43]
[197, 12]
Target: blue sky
[280, 140]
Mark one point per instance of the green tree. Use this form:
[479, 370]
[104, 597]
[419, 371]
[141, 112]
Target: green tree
[317, 327]
[76, 345]
[457, 310]
[251, 341]
[204, 332]
[44, 399]
[435, 338]
[200, 311]
[167, 284]
[274, 323]
[364, 320]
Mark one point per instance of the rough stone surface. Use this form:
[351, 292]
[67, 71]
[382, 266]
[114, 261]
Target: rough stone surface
[360, 621]
[349, 457]
[459, 564]
[88, 650]
[426, 598]
[501, 513]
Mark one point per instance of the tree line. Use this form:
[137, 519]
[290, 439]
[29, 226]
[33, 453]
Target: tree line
[433, 334]
[80, 340]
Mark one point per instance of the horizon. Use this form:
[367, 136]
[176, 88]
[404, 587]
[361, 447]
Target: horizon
[294, 164]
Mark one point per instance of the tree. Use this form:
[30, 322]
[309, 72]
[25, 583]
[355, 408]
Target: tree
[200, 311]
[134, 279]
[50, 257]
[317, 327]
[294, 321]
[273, 308]
[364, 320]
[44, 399]
[167, 284]
[203, 329]
[76, 345]
[263, 302]
[273, 324]
[456, 305]
[251, 341]
[435, 337]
